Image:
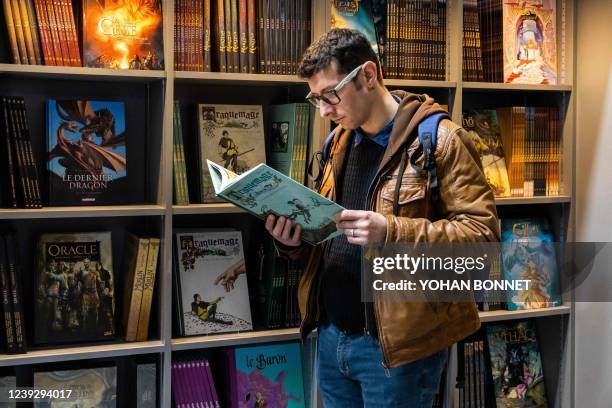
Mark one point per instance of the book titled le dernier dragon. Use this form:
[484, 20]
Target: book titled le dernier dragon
[262, 191]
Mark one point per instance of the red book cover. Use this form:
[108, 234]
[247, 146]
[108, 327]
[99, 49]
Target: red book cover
[243, 45]
[252, 42]
[123, 34]
[45, 33]
[53, 30]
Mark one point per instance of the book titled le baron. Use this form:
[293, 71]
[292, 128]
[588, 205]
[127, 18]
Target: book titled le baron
[86, 152]
[91, 387]
[75, 295]
[266, 376]
[528, 253]
[232, 136]
[211, 283]
[123, 34]
[530, 38]
[483, 128]
[263, 191]
[516, 365]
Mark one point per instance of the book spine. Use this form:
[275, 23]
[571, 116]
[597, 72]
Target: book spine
[35, 31]
[76, 50]
[15, 284]
[11, 160]
[19, 154]
[207, 37]
[62, 15]
[19, 31]
[55, 37]
[147, 292]
[243, 36]
[235, 38]
[228, 35]
[137, 290]
[252, 40]
[45, 35]
[220, 36]
[261, 26]
[61, 31]
[12, 34]
[31, 162]
[27, 31]
[5, 293]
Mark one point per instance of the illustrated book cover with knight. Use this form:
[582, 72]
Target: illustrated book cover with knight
[210, 282]
[123, 34]
[86, 152]
[75, 288]
[483, 128]
[516, 365]
[530, 41]
[266, 376]
[232, 136]
[262, 191]
[89, 387]
[528, 253]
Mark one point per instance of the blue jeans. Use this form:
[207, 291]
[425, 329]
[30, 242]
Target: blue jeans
[351, 374]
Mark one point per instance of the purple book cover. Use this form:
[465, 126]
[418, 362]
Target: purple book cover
[211, 384]
[269, 376]
[177, 387]
[200, 375]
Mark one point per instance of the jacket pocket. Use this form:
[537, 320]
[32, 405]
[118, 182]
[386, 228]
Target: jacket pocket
[411, 198]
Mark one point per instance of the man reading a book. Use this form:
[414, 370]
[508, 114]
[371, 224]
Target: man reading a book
[382, 353]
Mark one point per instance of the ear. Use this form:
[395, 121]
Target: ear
[370, 73]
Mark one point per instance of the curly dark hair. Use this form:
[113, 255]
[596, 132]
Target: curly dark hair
[348, 48]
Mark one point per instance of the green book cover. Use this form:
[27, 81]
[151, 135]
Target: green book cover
[284, 127]
[263, 191]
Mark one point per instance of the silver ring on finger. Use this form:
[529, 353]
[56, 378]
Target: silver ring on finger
[352, 232]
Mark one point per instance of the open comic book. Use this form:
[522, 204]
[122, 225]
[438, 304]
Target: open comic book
[263, 191]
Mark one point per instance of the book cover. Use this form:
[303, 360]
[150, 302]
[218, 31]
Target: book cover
[283, 129]
[146, 385]
[75, 297]
[263, 191]
[123, 34]
[516, 365]
[86, 152]
[483, 128]
[529, 41]
[528, 253]
[268, 376]
[212, 281]
[355, 14]
[93, 387]
[232, 136]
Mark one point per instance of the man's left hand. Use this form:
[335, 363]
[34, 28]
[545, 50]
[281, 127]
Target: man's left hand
[362, 227]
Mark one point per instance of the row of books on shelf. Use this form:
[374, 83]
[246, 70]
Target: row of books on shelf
[74, 290]
[233, 136]
[245, 36]
[501, 366]
[96, 386]
[274, 375]
[510, 41]
[124, 34]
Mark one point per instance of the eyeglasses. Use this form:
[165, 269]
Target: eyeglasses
[331, 97]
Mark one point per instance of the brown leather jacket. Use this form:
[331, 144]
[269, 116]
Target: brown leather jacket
[465, 212]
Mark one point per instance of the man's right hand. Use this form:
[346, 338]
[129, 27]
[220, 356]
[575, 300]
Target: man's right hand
[280, 229]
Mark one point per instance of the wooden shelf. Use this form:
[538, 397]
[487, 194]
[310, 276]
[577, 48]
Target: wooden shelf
[501, 315]
[100, 74]
[237, 79]
[236, 339]
[532, 200]
[493, 86]
[217, 208]
[82, 212]
[82, 353]
[419, 84]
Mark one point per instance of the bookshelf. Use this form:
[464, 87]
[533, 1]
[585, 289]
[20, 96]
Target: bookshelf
[152, 93]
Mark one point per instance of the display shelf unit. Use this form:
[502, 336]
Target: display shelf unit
[156, 214]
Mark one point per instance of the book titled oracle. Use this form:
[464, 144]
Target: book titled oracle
[123, 34]
[86, 152]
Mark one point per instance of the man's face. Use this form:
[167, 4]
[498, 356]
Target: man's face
[352, 111]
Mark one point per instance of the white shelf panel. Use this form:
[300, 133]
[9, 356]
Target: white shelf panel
[532, 200]
[236, 339]
[493, 86]
[501, 315]
[82, 212]
[237, 78]
[419, 84]
[101, 74]
[82, 353]
[217, 208]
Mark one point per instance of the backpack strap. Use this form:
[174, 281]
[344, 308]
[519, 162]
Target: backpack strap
[320, 158]
[428, 137]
